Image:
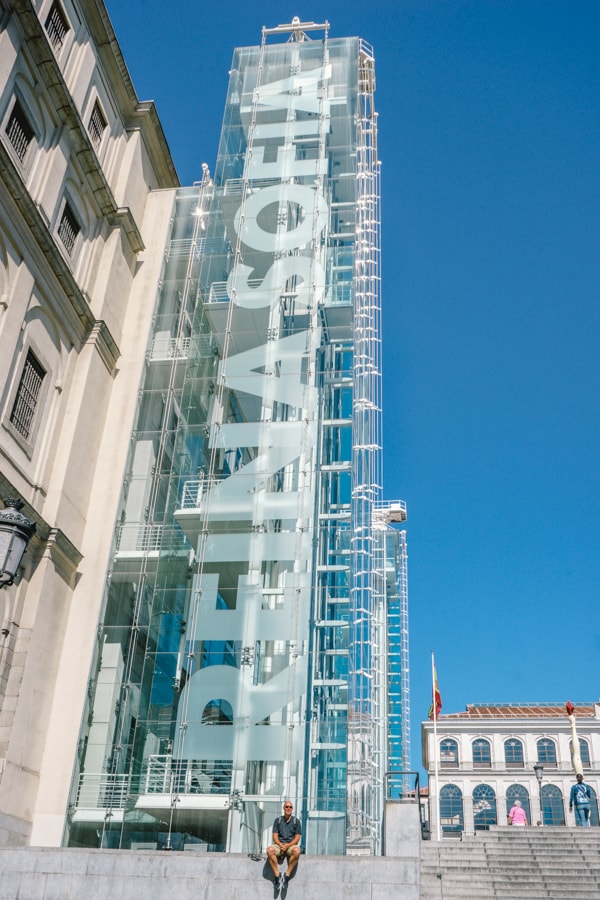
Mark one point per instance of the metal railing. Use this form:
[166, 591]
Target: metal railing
[139, 538]
[166, 775]
[102, 791]
[169, 348]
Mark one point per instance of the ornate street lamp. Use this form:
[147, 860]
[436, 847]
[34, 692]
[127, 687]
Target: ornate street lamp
[539, 774]
[16, 530]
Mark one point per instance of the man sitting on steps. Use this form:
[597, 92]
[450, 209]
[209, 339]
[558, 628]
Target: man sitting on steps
[287, 832]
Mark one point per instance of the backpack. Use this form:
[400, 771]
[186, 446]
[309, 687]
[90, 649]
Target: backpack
[293, 820]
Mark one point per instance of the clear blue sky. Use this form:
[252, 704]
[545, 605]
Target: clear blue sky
[490, 144]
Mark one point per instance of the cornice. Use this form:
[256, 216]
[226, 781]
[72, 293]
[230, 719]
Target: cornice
[35, 37]
[64, 555]
[48, 541]
[142, 115]
[39, 230]
[105, 345]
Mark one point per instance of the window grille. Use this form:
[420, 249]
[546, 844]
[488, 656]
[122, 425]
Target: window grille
[68, 229]
[513, 752]
[546, 749]
[28, 392]
[449, 753]
[56, 26]
[451, 808]
[97, 125]
[484, 807]
[482, 753]
[518, 792]
[19, 131]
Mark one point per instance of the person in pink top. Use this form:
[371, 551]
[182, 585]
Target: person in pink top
[517, 815]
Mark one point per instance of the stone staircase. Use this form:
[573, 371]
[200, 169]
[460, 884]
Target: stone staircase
[515, 863]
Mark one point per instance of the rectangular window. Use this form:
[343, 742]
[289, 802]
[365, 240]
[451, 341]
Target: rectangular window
[56, 26]
[97, 125]
[28, 392]
[68, 229]
[19, 131]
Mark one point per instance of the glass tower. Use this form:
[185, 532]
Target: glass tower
[254, 640]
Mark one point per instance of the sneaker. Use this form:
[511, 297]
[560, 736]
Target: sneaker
[276, 887]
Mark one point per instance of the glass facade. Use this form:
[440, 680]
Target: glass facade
[254, 639]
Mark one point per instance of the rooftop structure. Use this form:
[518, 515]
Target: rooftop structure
[523, 711]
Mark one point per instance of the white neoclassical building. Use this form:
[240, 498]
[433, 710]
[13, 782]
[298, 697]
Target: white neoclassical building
[486, 757]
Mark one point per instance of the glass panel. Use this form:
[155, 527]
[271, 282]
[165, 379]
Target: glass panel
[249, 583]
[553, 807]
[449, 752]
[482, 752]
[451, 808]
[546, 751]
[518, 792]
[513, 752]
[484, 807]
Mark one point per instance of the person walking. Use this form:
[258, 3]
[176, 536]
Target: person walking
[517, 815]
[580, 798]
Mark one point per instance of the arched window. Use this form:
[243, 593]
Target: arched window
[449, 753]
[451, 808]
[584, 752]
[553, 807]
[484, 807]
[546, 750]
[513, 753]
[482, 753]
[217, 712]
[518, 792]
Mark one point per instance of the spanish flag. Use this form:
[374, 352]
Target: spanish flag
[436, 697]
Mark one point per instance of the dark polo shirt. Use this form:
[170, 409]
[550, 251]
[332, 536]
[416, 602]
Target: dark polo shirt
[286, 831]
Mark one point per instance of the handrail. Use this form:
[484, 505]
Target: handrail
[405, 794]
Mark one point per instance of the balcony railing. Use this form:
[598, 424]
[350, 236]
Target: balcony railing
[164, 347]
[102, 791]
[166, 775]
[139, 538]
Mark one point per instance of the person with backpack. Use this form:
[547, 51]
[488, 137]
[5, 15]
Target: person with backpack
[287, 832]
[580, 799]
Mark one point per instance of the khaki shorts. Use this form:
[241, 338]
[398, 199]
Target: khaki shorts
[280, 853]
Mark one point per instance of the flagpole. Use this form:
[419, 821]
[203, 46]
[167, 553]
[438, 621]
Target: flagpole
[435, 748]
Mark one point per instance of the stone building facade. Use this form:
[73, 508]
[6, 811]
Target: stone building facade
[86, 185]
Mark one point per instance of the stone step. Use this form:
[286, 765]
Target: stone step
[464, 892]
[507, 888]
[527, 864]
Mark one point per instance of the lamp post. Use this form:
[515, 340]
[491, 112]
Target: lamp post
[16, 530]
[539, 774]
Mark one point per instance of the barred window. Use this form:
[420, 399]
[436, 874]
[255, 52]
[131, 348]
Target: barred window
[97, 125]
[28, 393]
[68, 229]
[56, 25]
[19, 131]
